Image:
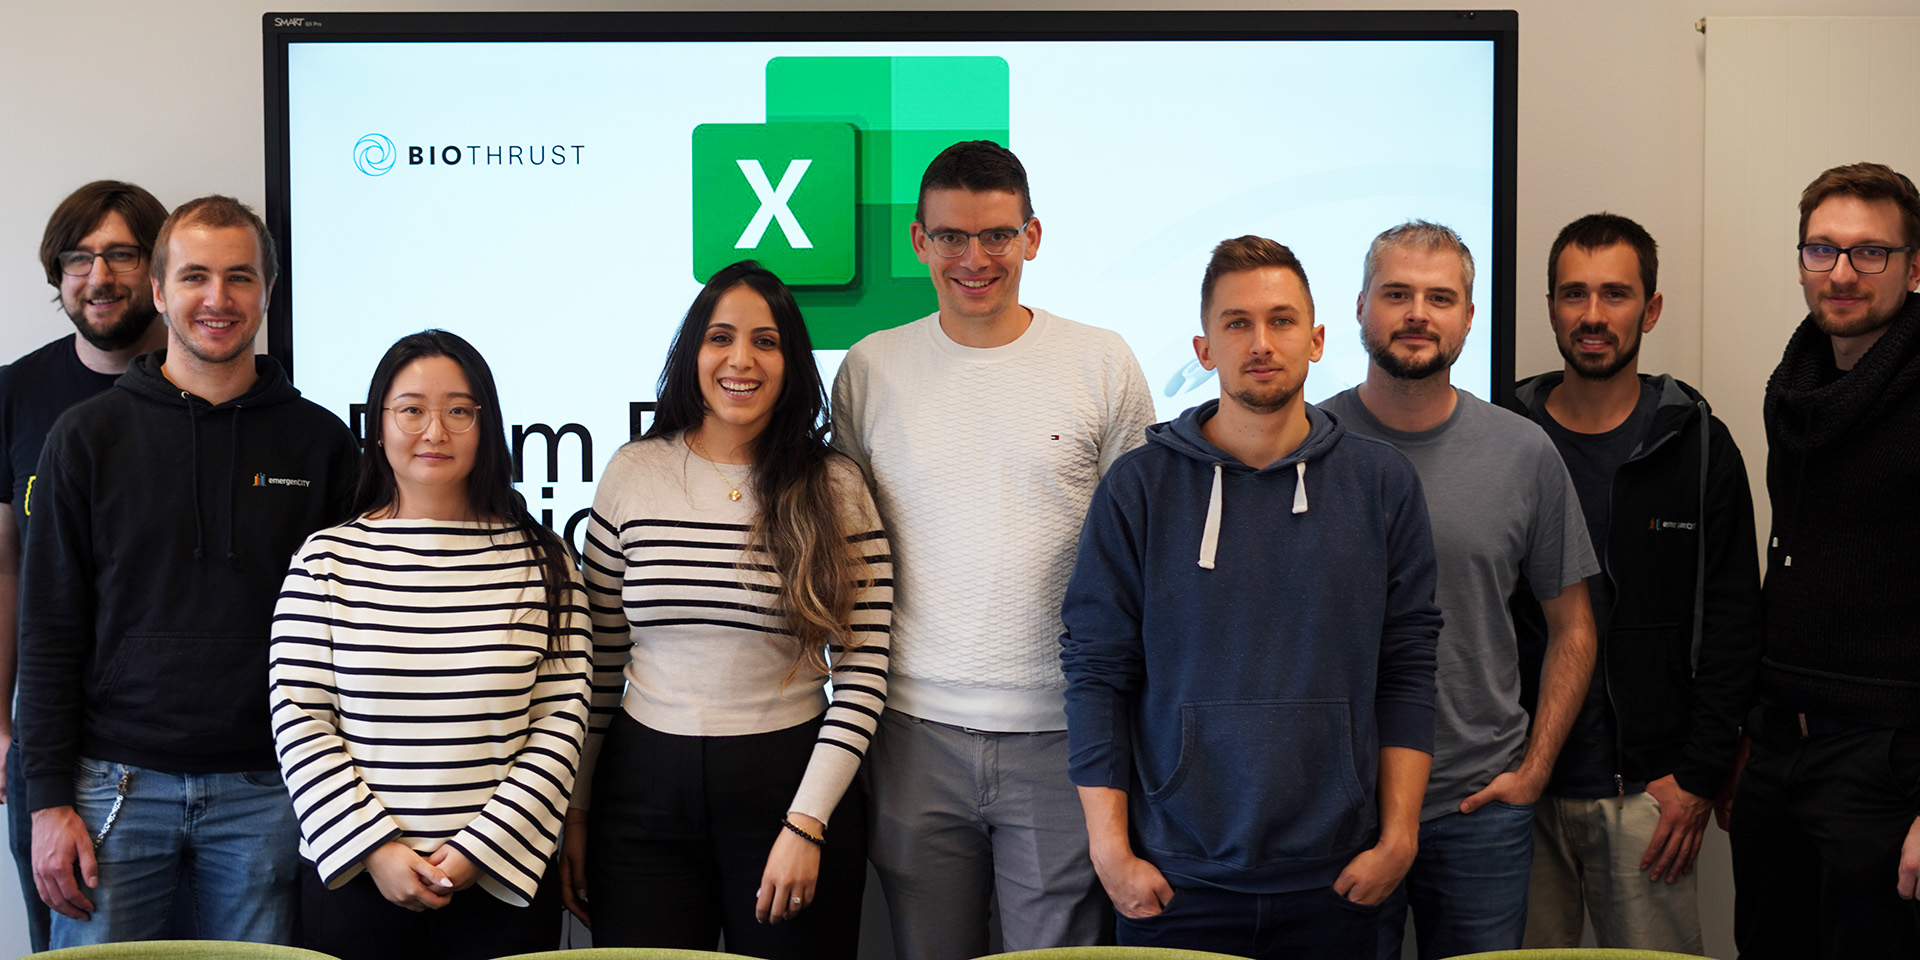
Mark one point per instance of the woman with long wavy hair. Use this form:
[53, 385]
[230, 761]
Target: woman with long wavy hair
[734, 565]
[429, 682]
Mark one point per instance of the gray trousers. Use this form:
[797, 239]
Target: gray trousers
[961, 818]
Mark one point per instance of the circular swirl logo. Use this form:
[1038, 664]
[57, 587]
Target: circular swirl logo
[374, 154]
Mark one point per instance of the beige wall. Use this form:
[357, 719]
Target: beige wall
[168, 94]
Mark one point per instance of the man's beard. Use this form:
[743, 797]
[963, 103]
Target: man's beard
[133, 324]
[1867, 323]
[1266, 403]
[1381, 351]
[1599, 369]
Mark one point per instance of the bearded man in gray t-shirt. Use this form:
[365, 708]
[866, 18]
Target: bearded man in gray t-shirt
[1502, 507]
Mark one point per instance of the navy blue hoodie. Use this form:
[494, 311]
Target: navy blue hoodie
[162, 529]
[1241, 643]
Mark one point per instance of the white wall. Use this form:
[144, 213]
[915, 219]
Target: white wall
[169, 96]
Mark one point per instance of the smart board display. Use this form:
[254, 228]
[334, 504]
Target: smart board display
[555, 188]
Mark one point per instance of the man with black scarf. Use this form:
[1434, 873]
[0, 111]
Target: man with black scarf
[1826, 822]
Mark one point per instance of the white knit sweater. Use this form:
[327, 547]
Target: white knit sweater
[414, 698]
[984, 462]
[685, 612]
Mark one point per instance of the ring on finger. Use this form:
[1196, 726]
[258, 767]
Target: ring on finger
[794, 900]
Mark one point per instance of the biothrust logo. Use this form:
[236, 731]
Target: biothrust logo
[373, 154]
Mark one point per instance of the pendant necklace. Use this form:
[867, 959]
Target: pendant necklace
[733, 492]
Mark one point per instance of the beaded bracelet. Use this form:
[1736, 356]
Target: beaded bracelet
[802, 834]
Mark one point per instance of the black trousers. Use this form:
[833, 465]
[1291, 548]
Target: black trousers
[1817, 827]
[679, 834]
[356, 922]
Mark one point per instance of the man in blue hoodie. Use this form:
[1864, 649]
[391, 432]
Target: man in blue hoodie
[1250, 667]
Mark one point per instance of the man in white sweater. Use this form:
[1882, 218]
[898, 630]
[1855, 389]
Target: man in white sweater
[985, 428]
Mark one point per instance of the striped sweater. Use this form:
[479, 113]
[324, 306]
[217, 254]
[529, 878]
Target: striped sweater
[687, 613]
[414, 698]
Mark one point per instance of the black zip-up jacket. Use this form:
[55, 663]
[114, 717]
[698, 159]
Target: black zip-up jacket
[162, 529]
[1685, 630]
[1843, 469]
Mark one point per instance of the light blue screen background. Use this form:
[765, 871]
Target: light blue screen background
[572, 278]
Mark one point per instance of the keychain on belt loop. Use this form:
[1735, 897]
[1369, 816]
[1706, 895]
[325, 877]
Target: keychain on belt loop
[113, 812]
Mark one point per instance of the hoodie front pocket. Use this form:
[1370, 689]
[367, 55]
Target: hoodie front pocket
[175, 691]
[1261, 782]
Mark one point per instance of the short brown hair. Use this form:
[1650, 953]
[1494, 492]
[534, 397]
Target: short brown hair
[81, 212]
[1598, 231]
[1870, 182]
[1246, 253]
[217, 211]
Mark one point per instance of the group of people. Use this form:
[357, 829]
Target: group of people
[1262, 680]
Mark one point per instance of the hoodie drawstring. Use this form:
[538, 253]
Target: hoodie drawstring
[233, 471]
[1210, 533]
[193, 432]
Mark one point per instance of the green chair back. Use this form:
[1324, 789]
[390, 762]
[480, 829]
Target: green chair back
[182, 950]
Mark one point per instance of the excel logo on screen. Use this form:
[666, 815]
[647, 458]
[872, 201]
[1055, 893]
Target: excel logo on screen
[822, 193]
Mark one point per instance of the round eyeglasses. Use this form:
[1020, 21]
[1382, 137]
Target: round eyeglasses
[1866, 258]
[413, 418]
[79, 263]
[994, 242]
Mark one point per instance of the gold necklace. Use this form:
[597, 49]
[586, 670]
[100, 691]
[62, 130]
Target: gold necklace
[733, 492]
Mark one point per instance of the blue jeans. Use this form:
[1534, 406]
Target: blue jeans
[20, 839]
[1468, 886]
[1315, 924]
[231, 837]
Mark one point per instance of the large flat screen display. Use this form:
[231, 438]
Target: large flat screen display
[555, 188]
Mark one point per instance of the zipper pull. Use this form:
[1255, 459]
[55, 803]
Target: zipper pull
[1619, 785]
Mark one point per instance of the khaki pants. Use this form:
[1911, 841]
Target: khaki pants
[1586, 860]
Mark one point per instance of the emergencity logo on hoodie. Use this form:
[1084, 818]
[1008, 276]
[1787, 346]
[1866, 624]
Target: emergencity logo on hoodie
[1656, 524]
[262, 480]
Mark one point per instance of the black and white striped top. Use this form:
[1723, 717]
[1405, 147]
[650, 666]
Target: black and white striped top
[415, 698]
[685, 613]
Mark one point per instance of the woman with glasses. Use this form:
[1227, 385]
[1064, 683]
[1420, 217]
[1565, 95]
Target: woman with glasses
[429, 682]
[734, 563]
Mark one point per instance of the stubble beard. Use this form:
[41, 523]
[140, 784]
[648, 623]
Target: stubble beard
[1602, 369]
[1264, 404]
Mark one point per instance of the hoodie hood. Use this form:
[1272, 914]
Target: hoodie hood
[1182, 435]
[1676, 404]
[145, 378]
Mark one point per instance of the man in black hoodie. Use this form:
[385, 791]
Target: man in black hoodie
[1676, 606]
[165, 511]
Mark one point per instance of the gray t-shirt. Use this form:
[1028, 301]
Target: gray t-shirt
[1501, 505]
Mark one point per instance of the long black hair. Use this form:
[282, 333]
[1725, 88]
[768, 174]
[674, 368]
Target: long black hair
[490, 492]
[800, 523]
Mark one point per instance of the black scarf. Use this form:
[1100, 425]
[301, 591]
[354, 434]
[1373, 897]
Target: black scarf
[1806, 412]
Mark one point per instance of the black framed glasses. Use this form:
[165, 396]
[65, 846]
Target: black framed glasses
[994, 242]
[413, 418]
[1866, 257]
[79, 263]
